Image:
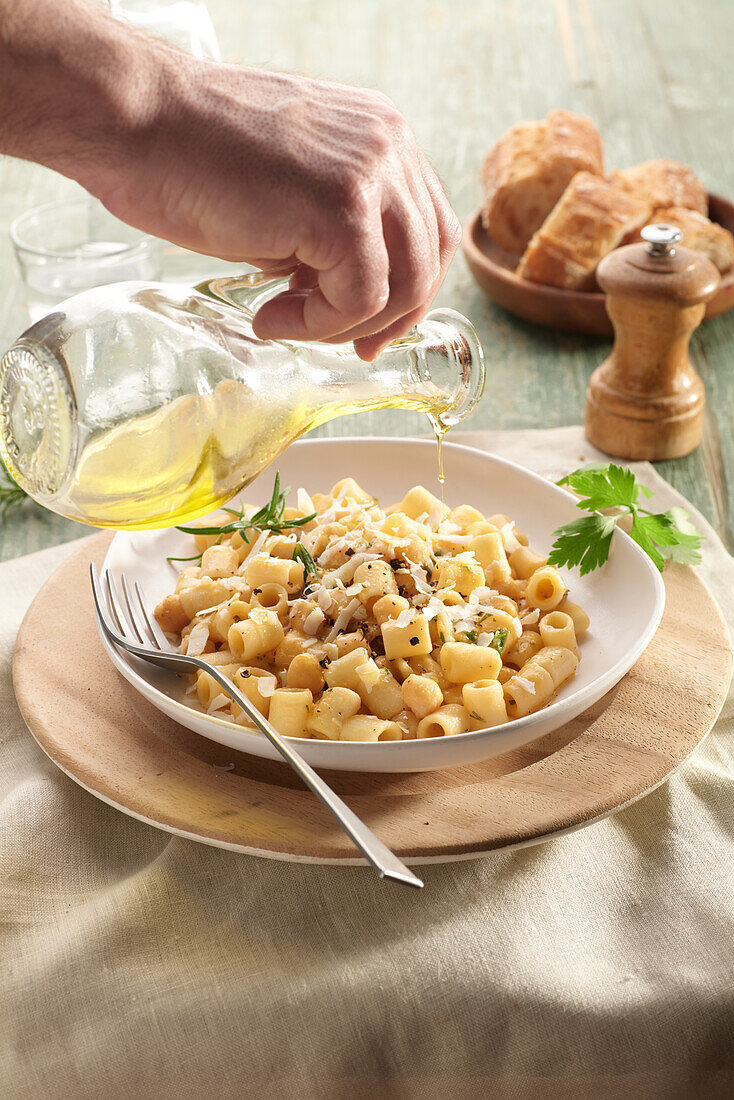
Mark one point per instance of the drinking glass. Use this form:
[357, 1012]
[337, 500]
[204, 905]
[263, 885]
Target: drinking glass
[69, 246]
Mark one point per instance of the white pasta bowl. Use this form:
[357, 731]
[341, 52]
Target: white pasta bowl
[624, 599]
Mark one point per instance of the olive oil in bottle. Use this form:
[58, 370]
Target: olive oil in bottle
[143, 405]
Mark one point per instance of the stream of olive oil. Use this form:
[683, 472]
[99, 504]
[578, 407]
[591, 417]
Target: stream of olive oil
[439, 430]
[188, 457]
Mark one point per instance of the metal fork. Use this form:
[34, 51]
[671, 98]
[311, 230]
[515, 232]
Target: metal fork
[128, 624]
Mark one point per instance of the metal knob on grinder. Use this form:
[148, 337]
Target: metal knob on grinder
[646, 401]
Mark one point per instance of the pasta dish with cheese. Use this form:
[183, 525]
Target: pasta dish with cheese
[343, 620]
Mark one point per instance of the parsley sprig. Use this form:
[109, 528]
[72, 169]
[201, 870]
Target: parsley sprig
[269, 518]
[585, 542]
[11, 494]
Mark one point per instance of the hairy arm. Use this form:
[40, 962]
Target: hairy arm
[274, 169]
[74, 83]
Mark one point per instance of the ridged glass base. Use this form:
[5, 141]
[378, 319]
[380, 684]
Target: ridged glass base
[37, 414]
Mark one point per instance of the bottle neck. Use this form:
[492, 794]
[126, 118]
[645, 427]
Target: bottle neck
[437, 368]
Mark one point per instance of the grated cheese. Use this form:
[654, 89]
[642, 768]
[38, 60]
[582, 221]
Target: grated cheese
[346, 572]
[461, 540]
[456, 611]
[508, 538]
[218, 702]
[482, 593]
[236, 584]
[210, 610]
[304, 502]
[258, 544]
[522, 681]
[334, 547]
[433, 608]
[420, 576]
[436, 514]
[328, 516]
[369, 674]
[323, 599]
[343, 619]
[313, 620]
[197, 639]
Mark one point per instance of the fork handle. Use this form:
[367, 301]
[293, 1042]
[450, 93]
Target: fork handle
[377, 854]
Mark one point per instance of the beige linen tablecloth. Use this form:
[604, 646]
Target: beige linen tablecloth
[139, 965]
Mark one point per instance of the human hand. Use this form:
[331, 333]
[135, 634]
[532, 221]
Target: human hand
[289, 174]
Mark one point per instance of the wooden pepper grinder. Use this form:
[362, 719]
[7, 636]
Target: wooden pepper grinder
[646, 401]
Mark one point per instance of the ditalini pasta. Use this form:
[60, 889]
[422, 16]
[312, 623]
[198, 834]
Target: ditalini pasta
[372, 624]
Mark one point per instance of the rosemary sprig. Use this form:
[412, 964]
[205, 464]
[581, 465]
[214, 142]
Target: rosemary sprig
[11, 494]
[302, 554]
[269, 518]
[194, 557]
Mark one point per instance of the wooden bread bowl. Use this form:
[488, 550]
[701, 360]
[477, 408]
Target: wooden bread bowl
[569, 310]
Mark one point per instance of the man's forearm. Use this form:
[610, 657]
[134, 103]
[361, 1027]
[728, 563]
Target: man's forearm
[74, 83]
[272, 169]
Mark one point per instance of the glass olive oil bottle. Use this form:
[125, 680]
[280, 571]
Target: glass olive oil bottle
[141, 405]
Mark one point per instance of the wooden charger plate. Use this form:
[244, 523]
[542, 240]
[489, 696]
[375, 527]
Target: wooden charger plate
[570, 310]
[99, 731]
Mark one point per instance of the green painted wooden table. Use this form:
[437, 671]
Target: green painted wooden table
[656, 78]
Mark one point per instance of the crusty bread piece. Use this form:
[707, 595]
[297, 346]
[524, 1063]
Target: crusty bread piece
[699, 233]
[664, 183]
[527, 171]
[589, 220]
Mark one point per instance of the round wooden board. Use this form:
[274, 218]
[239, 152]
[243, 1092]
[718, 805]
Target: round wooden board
[570, 310]
[105, 736]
